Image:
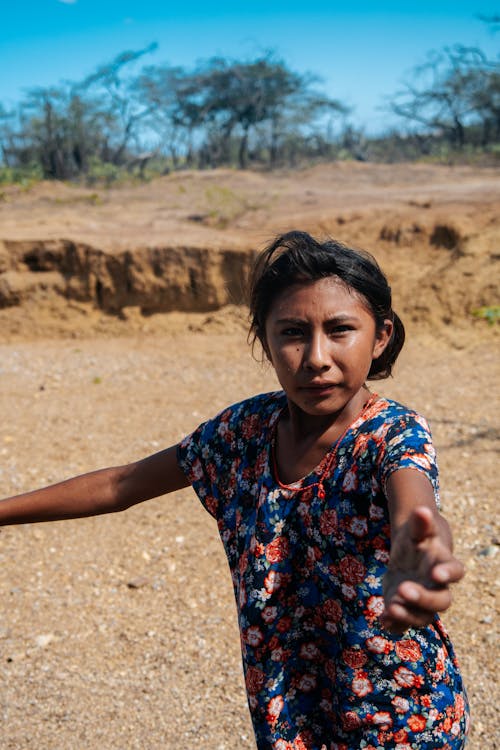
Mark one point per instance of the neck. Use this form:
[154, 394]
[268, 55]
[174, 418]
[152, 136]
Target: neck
[303, 426]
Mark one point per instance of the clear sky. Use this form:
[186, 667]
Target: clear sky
[362, 50]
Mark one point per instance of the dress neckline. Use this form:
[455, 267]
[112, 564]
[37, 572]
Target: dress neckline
[322, 470]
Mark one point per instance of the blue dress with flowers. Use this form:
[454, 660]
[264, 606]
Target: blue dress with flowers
[307, 562]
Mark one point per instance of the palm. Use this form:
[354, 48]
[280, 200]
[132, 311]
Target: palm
[420, 567]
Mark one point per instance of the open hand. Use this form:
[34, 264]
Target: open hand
[420, 570]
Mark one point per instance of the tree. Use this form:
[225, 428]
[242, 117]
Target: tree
[118, 103]
[454, 90]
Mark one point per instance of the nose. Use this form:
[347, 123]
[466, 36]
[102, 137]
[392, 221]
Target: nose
[317, 353]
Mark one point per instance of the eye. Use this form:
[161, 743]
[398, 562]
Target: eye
[340, 329]
[292, 332]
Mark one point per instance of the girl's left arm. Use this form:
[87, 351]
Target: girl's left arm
[421, 565]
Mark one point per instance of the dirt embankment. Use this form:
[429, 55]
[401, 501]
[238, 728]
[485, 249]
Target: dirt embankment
[156, 279]
[435, 230]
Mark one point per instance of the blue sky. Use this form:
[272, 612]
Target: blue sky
[362, 50]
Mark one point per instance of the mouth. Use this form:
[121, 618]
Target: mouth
[319, 388]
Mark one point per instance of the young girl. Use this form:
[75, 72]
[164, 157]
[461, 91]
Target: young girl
[325, 495]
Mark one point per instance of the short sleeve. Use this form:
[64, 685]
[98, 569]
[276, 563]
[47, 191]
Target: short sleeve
[408, 445]
[222, 456]
[197, 459]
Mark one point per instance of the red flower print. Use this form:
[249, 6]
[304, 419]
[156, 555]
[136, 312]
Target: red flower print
[419, 459]
[274, 708]
[281, 744]
[269, 614]
[196, 470]
[384, 737]
[306, 683]
[377, 644]
[260, 463]
[331, 670]
[243, 562]
[354, 657]
[406, 678]
[211, 504]
[401, 705]
[361, 685]
[353, 571]
[417, 723]
[303, 741]
[401, 735]
[350, 721]
[250, 425]
[212, 472]
[447, 724]
[328, 522]
[284, 624]
[408, 650]
[376, 512]
[280, 654]
[350, 481]
[382, 556]
[459, 706]
[253, 636]
[332, 610]
[308, 578]
[348, 592]
[374, 607]
[278, 549]
[254, 680]
[358, 526]
[310, 651]
[273, 581]
[382, 719]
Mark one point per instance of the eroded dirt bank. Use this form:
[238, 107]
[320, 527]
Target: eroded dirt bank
[185, 242]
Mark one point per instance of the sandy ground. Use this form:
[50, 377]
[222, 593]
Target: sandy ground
[120, 631]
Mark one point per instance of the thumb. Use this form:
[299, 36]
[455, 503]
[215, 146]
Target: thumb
[421, 524]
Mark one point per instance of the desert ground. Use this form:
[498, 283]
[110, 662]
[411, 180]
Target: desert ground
[120, 631]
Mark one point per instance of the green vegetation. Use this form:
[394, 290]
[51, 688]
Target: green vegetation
[490, 313]
[123, 123]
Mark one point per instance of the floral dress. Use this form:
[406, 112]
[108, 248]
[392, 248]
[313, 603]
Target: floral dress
[307, 562]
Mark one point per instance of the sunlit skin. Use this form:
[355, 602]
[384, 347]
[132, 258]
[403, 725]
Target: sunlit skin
[321, 338]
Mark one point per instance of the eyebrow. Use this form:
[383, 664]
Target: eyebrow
[340, 318]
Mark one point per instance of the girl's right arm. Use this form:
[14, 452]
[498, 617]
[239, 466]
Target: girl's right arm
[105, 491]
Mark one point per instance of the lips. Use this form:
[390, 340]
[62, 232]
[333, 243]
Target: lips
[318, 387]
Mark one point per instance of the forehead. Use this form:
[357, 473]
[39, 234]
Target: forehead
[328, 297]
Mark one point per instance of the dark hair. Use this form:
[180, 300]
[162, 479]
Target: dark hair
[296, 256]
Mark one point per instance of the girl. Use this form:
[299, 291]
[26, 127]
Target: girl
[326, 497]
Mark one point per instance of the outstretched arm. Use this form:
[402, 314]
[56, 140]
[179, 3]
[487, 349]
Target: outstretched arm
[105, 491]
[421, 565]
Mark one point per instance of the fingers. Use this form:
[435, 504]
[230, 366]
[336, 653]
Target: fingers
[449, 571]
[397, 618]
[421, 524]
[414, 606]
[415, 596]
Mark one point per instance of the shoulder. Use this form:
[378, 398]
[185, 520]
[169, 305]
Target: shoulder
[250, 416]
[386, 415]
[260, 408]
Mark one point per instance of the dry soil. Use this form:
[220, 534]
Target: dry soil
[120, 631]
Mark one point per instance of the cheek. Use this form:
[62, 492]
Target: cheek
[285, 359]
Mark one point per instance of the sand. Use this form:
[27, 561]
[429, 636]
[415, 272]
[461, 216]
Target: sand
[120, 631]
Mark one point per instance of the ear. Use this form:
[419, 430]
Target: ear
[382, 338]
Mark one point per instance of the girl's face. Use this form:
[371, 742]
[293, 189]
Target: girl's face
[321, 338]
